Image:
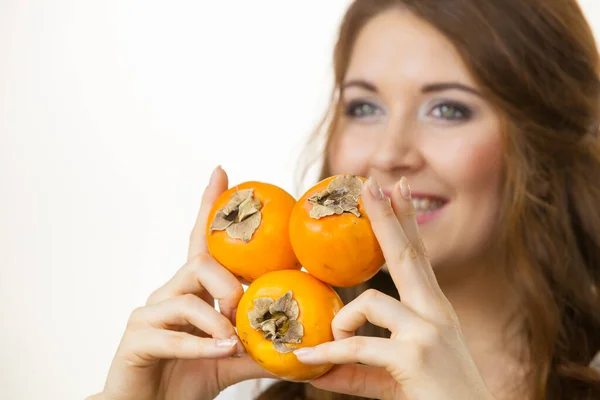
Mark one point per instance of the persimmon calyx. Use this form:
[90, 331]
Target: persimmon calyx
[277, 320]
[240, 217]
[340, 196]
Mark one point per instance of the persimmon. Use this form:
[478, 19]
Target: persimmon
[247, 230]
[331, 233]
[282, 311]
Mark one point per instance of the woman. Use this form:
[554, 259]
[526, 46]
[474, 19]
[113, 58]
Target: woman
[477, 122]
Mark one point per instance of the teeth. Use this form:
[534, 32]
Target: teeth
[423, 206]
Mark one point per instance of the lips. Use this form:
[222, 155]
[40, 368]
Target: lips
[427, 205]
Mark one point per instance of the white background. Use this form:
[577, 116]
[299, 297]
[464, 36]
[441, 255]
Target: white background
[112, 115]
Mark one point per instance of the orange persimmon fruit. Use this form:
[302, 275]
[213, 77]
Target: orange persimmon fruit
[282, 311]
[247, 230]
[331, 233]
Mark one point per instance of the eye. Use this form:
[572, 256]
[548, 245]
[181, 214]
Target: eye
[451, 111]
[361, 109]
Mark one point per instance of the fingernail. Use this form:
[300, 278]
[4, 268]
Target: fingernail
[304, 351]
[214, 173]
[240, 346]
[375, 188]
[405, 188]
[226, 343]
[233, 316]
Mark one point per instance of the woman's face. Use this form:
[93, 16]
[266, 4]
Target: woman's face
[410, 107]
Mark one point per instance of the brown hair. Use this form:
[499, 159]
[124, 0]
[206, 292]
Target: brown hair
[537, 62]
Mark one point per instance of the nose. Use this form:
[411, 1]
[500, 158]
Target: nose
[398, 148]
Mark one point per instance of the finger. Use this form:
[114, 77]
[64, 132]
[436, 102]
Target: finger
[217, 184]
[146, 346]
[400, 255]
[377, 308]
[203, 273]
[406, 215]
[233, 370]
[374, 351]
[182, 311]
[360, 380]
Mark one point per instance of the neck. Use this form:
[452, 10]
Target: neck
[486, 308]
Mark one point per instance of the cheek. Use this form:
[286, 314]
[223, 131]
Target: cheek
[350, 154]
[482, 168]
[473, 168]
[472, 172]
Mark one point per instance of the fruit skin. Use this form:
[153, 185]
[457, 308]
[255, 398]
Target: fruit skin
[269, 249]
[318, 304]
[341, 250]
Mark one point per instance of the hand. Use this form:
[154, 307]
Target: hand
[426, 356]
[178, 346]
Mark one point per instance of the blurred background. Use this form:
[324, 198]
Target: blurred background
[112, 116]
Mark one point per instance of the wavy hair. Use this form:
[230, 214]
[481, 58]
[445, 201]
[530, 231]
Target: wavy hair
[537, 62]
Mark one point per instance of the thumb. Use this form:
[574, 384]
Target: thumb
[234, 370]
[217, 184]
[359, 380]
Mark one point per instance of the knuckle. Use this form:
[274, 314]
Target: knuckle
[370, 295]
[356, 344]
[336, 325]
[408, 252]
[340, 327]
[408, 209]
[196, 263]
[189, 301]
[420, 344]
[223, 325]
[176, 343]
[235, 295]
[230, 294]
[430, 336]
[421, 249]
[237, 291]
[154, 296]
[128, 347]
[440, 312]
[447, 317]
[136, 317]
[386, 211]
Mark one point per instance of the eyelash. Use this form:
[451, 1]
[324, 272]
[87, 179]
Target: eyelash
[358, 106]
[452, 107]
[447, 107]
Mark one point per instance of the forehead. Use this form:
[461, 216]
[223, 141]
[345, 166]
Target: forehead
[397, 47]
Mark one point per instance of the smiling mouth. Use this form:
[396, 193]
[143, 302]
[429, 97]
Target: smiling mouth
[425, 205]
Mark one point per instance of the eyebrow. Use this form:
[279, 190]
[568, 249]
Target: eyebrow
[432, 87]
[360, 84]
[438, 87]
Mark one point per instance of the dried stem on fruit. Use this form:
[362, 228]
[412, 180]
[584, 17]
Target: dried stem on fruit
[278, 321]
[340, 196]
[240, 217]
